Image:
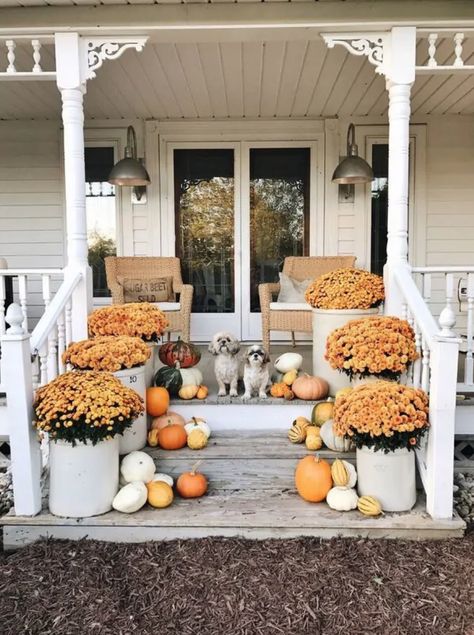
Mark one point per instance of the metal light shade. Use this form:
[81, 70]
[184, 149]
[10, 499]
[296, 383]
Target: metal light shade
[129, 171]
[352, 169]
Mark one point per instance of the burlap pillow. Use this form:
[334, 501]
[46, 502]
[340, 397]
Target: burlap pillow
[147, 290]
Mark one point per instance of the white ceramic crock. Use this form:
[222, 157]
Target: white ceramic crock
[134, 437]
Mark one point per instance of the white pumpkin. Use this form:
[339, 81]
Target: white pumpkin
[342, 499]
[137, 466]
[130, 498]
[288, 361]
[198, 423]
[191, 376]
[333, 442]
[351, 472]
[159, 476]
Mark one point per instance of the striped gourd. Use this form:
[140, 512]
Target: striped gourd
[297, 433]
[369, 506]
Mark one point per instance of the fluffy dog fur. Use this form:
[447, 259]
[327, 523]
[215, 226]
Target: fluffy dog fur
[256, 374]
[226, 366]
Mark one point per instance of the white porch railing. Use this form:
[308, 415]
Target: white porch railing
[33, 290]
[449, 292]
[435, 372]
[28, 361]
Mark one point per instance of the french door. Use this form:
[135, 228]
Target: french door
[238, 209]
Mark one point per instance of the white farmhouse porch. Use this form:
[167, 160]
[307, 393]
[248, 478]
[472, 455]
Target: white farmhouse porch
[344, 75]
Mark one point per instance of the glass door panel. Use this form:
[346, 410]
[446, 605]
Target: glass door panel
[279, 212]
[205, 230]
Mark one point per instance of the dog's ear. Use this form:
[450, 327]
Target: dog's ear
[266, 357]
[234, 347]
[212, 348]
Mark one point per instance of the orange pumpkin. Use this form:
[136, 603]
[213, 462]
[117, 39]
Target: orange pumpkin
[310, 388]
[313, 478]
[191, 484]
[172, 437]
[157, 401]
[166, 420]
[202, 392]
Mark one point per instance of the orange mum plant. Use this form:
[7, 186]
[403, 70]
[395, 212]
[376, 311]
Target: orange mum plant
[137, 319]
[383, 346]
[107, 352]
[85, 406]
[383, 415]
[346, 289]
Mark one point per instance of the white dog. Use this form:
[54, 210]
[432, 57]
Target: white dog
[226, 367]
[256, 374]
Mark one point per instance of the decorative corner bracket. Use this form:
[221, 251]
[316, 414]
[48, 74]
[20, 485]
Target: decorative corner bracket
[100, 49]
[369, 44]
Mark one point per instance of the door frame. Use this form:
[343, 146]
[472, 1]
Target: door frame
[252, 322]
[162, 136]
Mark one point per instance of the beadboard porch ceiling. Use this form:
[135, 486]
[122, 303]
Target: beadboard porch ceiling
[217, 77]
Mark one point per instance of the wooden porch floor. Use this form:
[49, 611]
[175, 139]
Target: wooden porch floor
[251, 494]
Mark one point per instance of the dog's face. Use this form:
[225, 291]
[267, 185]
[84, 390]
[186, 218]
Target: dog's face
[224, 343]
[257, 356]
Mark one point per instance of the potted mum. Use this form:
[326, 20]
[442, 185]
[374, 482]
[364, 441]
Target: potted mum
[337, 297]
[372, 348]
[386, 422]
[83, 414]
[136, 319]
[125, 357]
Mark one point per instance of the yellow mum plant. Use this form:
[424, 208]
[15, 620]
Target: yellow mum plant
[137, 319]
[383, 415]
[378, 345]
[107, 352]
[346, 289]
[85, 406]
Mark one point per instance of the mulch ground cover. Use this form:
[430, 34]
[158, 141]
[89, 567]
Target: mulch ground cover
[237, 587]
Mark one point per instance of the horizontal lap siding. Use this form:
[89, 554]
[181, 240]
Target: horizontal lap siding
[31, 202]
[450, 191]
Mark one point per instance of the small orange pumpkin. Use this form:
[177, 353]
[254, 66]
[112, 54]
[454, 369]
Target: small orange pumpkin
[157, 401]
[313, 478]
[172, 437]
[278, 390]
[202, 392]
[166, 420]
[310, 388]
[192, 484]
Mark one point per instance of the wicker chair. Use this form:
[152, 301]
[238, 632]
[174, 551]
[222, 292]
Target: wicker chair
[179, 317]
[295, 319]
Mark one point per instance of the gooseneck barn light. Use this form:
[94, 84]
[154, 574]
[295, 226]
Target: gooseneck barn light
[352, 169]
[130, 170]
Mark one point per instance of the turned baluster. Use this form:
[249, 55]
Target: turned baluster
[432, 63]
[22, 296]
[11, 56]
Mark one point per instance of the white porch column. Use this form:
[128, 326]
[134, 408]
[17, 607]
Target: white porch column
[72, 86]
[400, 70]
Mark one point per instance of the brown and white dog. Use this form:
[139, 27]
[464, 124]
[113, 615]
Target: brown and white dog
[226, 367]
[256, 373]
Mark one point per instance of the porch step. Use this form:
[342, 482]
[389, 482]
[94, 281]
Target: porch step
[251, 494]
[236, 460]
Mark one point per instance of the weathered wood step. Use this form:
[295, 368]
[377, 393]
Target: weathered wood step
[243, 460]
[251, 514]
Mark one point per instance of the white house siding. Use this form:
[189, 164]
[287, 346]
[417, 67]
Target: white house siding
[31, 202]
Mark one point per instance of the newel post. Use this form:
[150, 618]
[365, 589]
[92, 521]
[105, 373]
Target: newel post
[24, 443]
[71, 83]
[440, 444]
[400, 73]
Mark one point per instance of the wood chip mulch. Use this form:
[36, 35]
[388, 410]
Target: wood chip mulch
[236, 587]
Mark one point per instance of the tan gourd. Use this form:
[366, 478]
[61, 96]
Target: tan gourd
[197, 439]
[313, 441]
[343, 473]
[297, 433]
[290, 376]
[188, 392]
[369, 506]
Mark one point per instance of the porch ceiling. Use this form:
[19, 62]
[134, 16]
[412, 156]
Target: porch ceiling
[264, 78]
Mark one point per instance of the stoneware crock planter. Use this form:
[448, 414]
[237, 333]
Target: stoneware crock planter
[134, 437]
[83, 478]
[389, 477]
[372, 379]
[324, 322]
